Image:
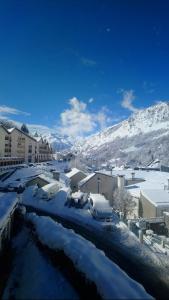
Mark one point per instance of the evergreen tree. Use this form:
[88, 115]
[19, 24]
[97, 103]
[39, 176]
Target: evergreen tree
[36, 134]
[24, 128]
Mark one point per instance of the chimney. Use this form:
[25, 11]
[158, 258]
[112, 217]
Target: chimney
[120, 181]
[133, 175]
[56, 175]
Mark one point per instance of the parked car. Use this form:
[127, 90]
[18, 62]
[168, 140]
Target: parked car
[102, 214]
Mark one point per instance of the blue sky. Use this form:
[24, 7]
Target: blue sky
[112, 56]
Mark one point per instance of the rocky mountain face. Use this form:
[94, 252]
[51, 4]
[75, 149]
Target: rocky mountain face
[138, 140]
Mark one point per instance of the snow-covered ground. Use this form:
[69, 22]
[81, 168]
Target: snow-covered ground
[33, 276]
[110, 280]
[7, 203]
[119, 237]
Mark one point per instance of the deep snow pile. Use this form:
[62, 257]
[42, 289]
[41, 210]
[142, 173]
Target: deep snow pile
[119, 237]
[33, 276]
[7, 204]
[110, 280]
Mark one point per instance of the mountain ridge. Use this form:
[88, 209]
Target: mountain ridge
[136, 140]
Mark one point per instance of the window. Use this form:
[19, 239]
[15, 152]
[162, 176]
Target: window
[30, 149]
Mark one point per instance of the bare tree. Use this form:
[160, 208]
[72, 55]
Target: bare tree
[123, 202]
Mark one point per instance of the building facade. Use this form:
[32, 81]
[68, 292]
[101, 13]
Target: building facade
[44, 150]
[99, 183]
[17, 144]
[153, 203]
[75, 176]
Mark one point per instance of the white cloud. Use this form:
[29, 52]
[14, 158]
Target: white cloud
[78, 121]
[6, 110]
[127, 101]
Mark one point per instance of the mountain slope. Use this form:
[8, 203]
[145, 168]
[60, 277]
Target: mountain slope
[59, 142]
[139, 139]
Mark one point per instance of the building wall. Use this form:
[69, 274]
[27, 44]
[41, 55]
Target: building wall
[23, 146]
[75, 180]
[18, 144]
[44, 151]
[161, 210]
[3, 133]
[40, 182]
[106, 186]
[30, 145]
[146, 208]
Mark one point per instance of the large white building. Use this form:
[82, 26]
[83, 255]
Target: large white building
[17, 147]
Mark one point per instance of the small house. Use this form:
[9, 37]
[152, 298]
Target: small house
[75, 176]
[153, 203]
[99, 183]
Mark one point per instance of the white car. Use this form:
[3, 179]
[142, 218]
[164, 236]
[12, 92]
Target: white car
[102, 214]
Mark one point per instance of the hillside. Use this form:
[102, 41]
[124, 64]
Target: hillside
[138, 140]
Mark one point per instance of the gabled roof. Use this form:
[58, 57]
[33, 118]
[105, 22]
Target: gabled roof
[15, 128]
[157, 197]
[74, 172]
[5, 129]
[10, 129]
[38, 138]
[86, 179]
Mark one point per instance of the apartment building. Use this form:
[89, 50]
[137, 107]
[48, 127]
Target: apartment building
[5, 142]
[14, 143]
[44, 150]
[22, 145]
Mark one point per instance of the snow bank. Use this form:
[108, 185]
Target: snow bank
[110, 280]
[7, 203]
[32, 275]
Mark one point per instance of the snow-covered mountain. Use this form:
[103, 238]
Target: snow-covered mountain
[59, 142]
[139, 139]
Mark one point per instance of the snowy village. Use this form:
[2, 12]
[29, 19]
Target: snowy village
[84, 150]
[93, 228]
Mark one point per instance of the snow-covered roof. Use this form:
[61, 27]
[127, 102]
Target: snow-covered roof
[11, 129]
[24, 174]
[37, 138]
[83, 181]
[7, 203]
[157, 197]
[52, 186]
[73, 172]
[45, 177]
[77, 195]
[154, 180]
